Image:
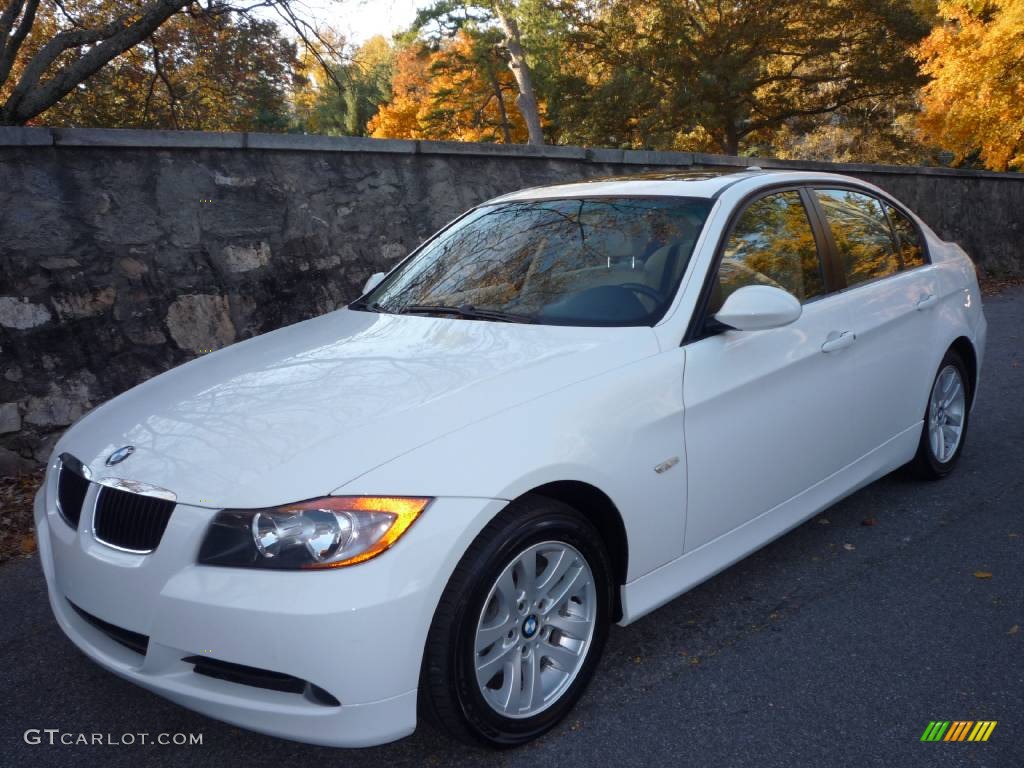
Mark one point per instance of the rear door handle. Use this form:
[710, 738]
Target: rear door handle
[927, 301]
[842, 341]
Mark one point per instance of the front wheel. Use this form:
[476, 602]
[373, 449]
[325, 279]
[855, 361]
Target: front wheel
[945, 420]
[520, 627]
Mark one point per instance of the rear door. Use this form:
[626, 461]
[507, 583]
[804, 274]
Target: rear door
[891, 290]
[764, 415]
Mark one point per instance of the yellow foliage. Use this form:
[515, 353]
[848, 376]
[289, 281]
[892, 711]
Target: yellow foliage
[461, 92]
[975, 99]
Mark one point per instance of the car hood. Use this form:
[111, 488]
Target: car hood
[301, 411]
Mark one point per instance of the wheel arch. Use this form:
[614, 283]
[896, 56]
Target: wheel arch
[965, 348]
[596, 506]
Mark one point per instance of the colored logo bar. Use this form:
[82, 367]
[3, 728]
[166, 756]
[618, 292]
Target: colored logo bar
[958, 730]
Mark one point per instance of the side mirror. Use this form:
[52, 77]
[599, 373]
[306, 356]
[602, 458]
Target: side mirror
[373, 281]
[758, 307]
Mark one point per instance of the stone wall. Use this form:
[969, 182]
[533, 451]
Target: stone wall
[123, 253]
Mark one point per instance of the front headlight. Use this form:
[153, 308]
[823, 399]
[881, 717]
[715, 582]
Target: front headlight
[320, 533]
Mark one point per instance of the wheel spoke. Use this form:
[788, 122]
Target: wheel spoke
[940, 449]
[533, 686]
[510, 694]
[947, 381]
[566, 589]
[526, 571]
[491, 663]
[554, 571]
[576, 628]
[950, 440]
[563, 658]
[486, 636]
[952, 391]
[506, 588]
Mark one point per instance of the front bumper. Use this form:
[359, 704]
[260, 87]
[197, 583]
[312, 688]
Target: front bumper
[357, 633]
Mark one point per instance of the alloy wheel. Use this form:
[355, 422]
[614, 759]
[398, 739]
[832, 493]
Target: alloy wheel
[946, 411]
[535, 629]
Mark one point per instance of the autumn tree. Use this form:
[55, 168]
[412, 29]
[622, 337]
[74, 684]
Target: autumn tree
[870, 131]
[476, 18]
[462, 91]
[195, 72]
[50, 48]
[974, 102]
[345, 104]
[725, 73]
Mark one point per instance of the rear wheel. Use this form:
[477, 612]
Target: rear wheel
[520, 627]
[945, 419]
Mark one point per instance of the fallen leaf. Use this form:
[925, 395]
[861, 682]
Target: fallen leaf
[849, 547]
[636, 659]
[1014, 629]
[982, 575]
[869, 521]
[28, 544]
[823, 521]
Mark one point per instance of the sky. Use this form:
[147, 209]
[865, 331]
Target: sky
[359, 20]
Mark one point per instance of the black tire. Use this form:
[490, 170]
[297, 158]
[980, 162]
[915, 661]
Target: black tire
[449, 693]
[925, 463]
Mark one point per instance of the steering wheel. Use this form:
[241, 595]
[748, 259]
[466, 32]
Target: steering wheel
[646, 290]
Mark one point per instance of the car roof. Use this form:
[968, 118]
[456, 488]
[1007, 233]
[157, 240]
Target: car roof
[701, 184]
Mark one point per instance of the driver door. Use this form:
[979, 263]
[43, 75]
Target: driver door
[764, 410]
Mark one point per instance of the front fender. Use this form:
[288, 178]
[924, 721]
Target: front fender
[610, 431]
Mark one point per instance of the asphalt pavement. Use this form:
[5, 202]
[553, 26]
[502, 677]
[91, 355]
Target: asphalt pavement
[836, 645]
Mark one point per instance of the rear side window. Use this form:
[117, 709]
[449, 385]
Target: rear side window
[861, 233]
[910, 249]
[773, 244]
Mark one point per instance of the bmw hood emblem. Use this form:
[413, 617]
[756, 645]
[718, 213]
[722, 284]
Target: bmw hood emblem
[120, 455]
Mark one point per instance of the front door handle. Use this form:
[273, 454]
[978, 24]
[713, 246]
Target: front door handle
[930, 300]
[842, 341]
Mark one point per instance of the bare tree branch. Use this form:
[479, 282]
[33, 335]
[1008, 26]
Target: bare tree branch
[73, 55]
[29, 97]
[7, 20]
[10, 44]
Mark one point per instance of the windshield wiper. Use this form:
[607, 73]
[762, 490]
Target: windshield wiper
[362, 304]
[467, 311]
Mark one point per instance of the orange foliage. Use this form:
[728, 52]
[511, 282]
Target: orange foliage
[462, 92]
[975, 99]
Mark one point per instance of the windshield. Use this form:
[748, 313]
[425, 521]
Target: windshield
[574, 261]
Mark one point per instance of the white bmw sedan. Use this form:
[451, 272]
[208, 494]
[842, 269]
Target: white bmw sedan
[566, 408]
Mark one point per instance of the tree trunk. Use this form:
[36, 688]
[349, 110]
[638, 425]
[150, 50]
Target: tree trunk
[506, 126]
[526, 100]
[731, 140]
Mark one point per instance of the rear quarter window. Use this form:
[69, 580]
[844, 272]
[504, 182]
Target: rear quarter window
[909, 246]
[860, 229]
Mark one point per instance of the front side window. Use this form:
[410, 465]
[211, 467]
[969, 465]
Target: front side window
[910, 251]
[772, 244]
[578, 261]
[861, 232]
